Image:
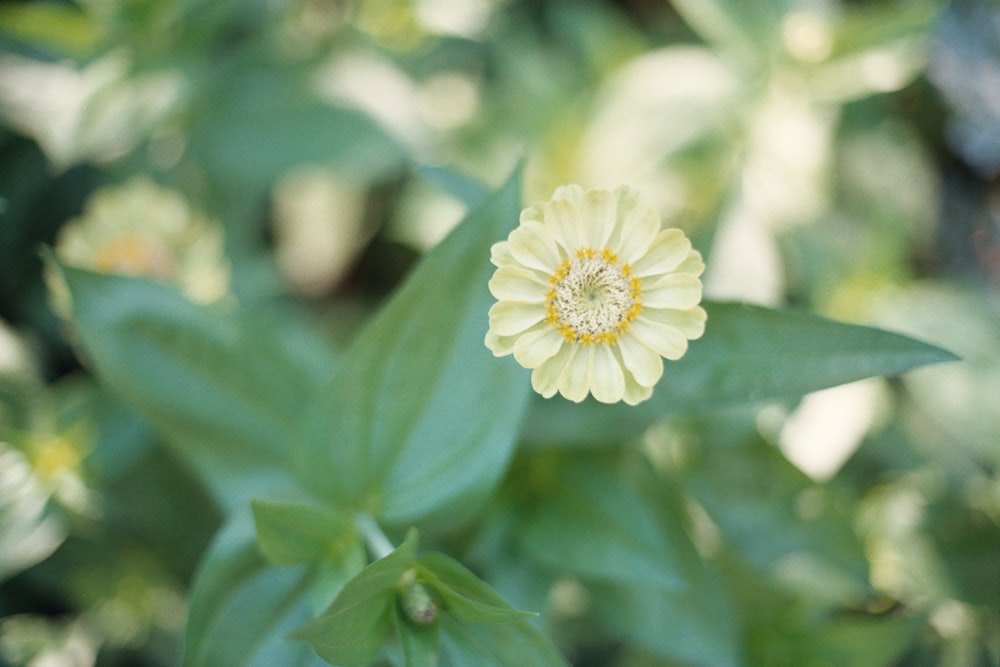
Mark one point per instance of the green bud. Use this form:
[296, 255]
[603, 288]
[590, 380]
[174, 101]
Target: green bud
[419, 603]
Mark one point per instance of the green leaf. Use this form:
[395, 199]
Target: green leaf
[748, 355]
[403, 431]
[866, 641]
[290, 534]
[591, 522]
[224, 387]
[464, 594]
[514, 644]
[749, 28]
[354, 628]
[258, 120]
[241, 607]
[778, 520]
[692, 626]
[420, 645]
[63, 28]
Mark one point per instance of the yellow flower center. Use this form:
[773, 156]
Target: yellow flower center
[593, 298]
[134, 255]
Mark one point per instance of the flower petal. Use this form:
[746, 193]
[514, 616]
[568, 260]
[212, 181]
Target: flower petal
[534, 212]
[597, 212]
[635, 393]
[690, 322]
[563, 219]
[512, 317]
[532, 349]
[515, 283]
[532, 246]
[664, 340]
[545, 378]
[607, 381]
[501, 255]
[692, 264]
[638, 230]
[645, 365]
[669, 249]
[675, 290]
[572, 193]
[574, 383]
[500, 346]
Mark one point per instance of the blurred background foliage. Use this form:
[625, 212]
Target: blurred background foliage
[838, 156]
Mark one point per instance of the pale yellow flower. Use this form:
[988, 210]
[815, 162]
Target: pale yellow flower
[142, 229]
[593, 294]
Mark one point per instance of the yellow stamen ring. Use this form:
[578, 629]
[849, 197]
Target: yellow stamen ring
[593, 297]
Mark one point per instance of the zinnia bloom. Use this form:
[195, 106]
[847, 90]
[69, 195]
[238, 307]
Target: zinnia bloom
[592, 295]
[142, 229]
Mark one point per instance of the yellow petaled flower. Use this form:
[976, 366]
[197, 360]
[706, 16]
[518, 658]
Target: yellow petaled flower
[592, 294]
[143, 229]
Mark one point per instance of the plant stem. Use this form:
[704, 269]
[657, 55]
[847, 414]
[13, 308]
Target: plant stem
[378, 544]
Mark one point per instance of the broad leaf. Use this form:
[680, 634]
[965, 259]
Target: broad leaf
[290, 534]
[464, 594]
[513, 644]
[592, 523]
[422, 419]
[778, 520]
[749, 354]
[242, 608]
[257, 121]
[224, 387]
[420, 645]
[357, 624]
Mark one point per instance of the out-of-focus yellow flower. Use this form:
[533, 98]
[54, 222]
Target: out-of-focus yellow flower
[592, 293]
[143, 229]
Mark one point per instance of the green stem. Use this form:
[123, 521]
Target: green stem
[378, 544]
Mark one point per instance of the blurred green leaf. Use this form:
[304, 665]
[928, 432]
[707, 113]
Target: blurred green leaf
[402, 429]
[513, 644]
[778, 520]
[749, 354]
[242, 607]
[62, 28]
[290, 534]
[259, 120]
[464, 594]
[592, 523]
[354, 628]
[692, 626]
[969, 543]
[747, 28]
[420, 645]
[224, 387]
[864, 641]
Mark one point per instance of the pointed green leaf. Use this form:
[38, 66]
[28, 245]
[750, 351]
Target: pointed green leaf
[242, 607]
[226, 388]
[290, 534]
[749, 354]
[464, 594]
[420, 645]
[354, 628]
[514, 644]
[403, 429]
[592, 523]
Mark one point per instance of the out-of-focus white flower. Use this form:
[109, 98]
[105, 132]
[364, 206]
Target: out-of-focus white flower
[593, 294]
[143, 229]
